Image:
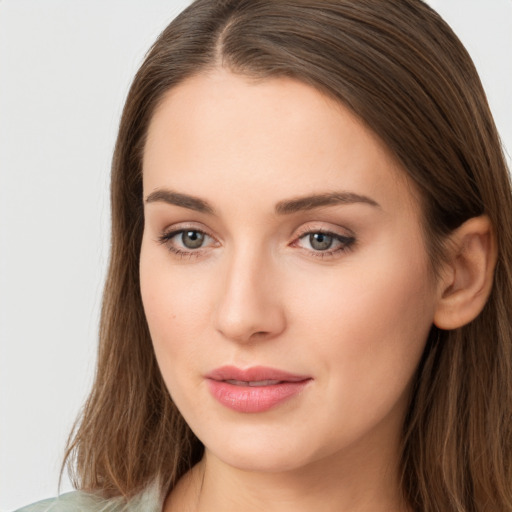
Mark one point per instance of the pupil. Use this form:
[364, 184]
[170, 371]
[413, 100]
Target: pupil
[320, 241]
[192, 239]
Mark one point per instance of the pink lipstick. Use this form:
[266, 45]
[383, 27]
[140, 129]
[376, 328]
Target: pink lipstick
[256, 389]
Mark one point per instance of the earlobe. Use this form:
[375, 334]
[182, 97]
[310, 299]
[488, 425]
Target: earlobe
[468, 273]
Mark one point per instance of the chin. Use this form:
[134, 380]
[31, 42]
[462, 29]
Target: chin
[263, 460]
[263, 450]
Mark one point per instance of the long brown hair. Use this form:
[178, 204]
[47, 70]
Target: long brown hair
[402, 70]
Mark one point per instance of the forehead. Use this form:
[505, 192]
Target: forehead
[271, 137]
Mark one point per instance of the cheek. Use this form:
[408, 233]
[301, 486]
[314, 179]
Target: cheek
[175, 309]
[367, 329]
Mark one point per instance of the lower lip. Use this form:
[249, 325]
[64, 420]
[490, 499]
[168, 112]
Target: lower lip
[254, 398]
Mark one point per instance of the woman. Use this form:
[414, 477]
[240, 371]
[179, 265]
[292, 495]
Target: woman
[308, 299]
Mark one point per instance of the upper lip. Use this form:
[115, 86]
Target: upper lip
[254, 374]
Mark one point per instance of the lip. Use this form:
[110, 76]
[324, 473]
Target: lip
[225, 385]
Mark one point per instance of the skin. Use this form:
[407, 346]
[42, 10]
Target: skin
[257, 292]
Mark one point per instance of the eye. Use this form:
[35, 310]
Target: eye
[320, 241]
[324, 243]
[186, 242]
[192, 239]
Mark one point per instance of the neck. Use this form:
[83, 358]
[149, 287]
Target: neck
[349, 482]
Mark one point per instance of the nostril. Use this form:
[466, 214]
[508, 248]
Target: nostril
[246, 311]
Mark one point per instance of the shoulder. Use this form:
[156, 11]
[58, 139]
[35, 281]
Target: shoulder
[79, 501]
[70, 502]
[74, 502]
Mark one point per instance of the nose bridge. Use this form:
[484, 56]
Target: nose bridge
[248, 304]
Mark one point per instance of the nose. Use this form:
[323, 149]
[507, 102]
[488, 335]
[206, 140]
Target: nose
[249, 306]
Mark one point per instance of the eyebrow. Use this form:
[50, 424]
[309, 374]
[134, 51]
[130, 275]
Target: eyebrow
[286, 207]
[183, 200]
[317, 200]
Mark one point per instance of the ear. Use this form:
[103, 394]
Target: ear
[467, 275]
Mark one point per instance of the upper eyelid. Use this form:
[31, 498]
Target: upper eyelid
[337, 236]
[174, 229]
[346, 233]
[339, 232]
[193, 226]
[167, 235]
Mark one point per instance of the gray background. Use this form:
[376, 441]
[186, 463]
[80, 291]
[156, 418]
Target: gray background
[65, 68]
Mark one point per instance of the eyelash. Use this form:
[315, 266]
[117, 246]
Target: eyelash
[165, 239]
[346, 242]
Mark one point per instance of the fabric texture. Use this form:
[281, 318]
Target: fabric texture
[150, 500]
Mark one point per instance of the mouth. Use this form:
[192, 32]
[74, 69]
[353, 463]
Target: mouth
[253, 383]
[256, 375]
[255, 389]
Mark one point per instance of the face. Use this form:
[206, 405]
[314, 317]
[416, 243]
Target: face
[283, 272]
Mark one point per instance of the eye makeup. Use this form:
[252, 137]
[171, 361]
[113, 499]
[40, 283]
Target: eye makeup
[192, 242]
[324, 243]
[186, 242]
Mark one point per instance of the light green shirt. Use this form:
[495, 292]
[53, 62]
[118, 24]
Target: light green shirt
[150, 500]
